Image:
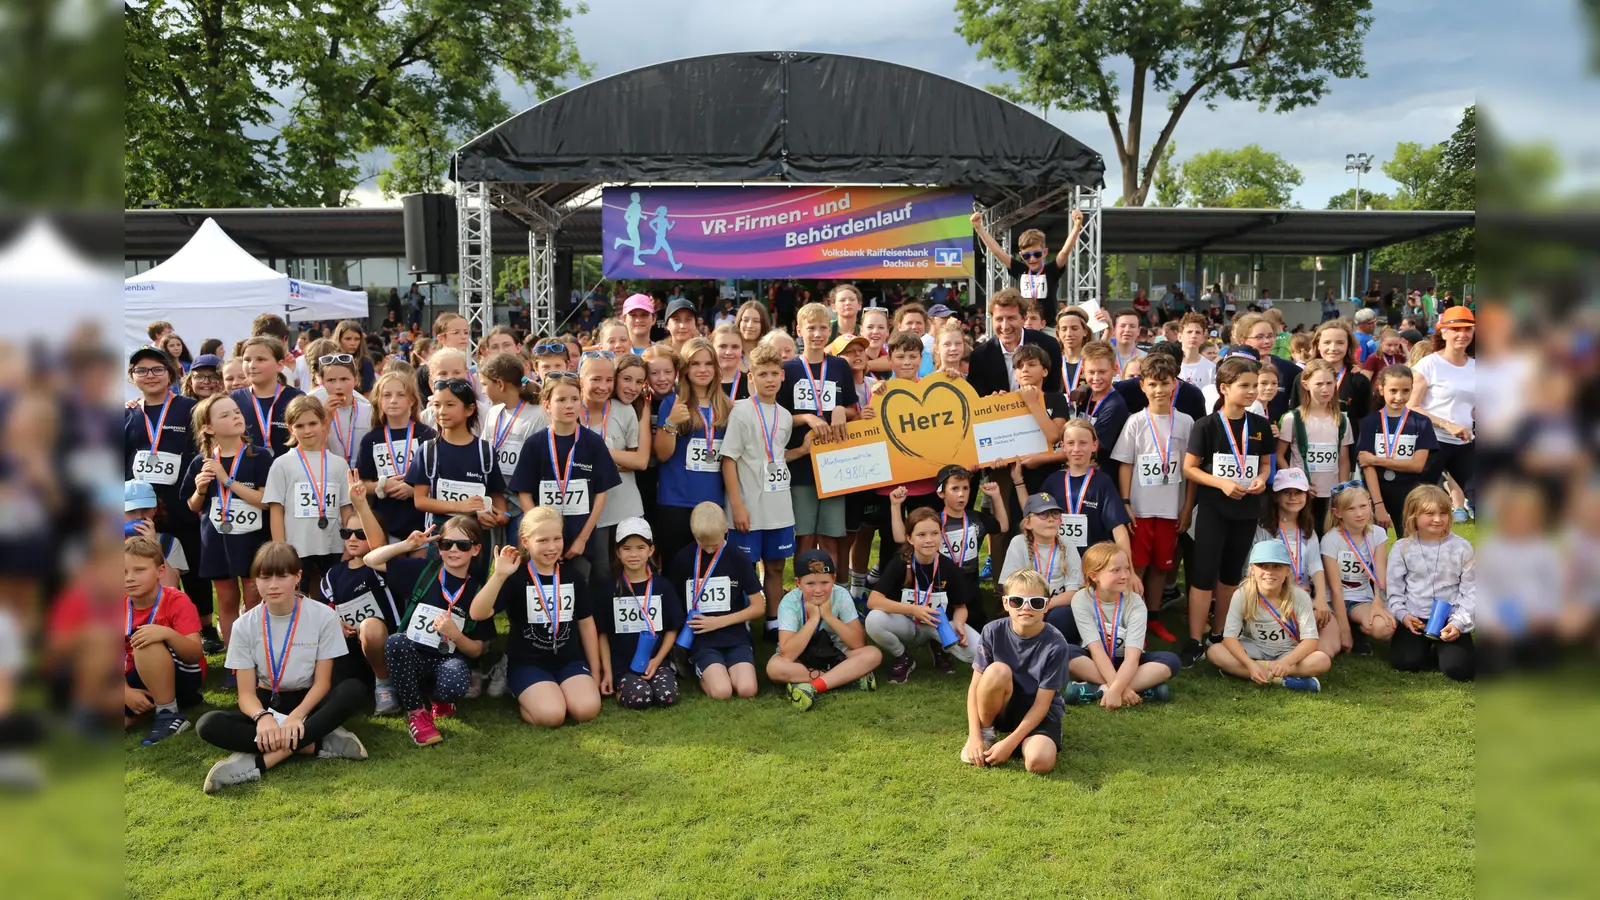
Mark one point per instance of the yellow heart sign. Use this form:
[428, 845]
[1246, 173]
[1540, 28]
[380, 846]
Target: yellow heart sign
[930, 419]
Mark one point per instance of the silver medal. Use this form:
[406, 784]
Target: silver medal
[1388, 474]
[225, 527]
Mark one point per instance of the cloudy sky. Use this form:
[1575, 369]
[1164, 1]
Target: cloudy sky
[1426, 61]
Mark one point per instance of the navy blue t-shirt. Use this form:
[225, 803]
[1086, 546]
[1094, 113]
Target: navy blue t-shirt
[269, 410]
[543, 644]
[677, 485]
[447, 470]
[795, 396]
[1102, 504]
[727, 589]
[342, 584]
[252, 473]
[398, 517]
[1417, 426]
[619, 618]
[403, 575]
[593, 472]
[1109, 415]
[175, 438]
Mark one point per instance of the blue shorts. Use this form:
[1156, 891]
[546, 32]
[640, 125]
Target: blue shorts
[1352, 604]
[185, 685]
[520, 678]
[1170, 660]
[704, 658]
[770, 544]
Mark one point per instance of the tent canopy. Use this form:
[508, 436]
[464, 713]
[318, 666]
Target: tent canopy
[54, 289]
[798, 117]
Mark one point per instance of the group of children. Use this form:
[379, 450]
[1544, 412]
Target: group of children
[617, 516]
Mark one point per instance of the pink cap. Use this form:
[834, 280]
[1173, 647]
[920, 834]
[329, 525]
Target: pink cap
[1290, 479]
[639, 301]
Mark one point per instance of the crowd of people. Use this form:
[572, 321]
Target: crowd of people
[631, 503]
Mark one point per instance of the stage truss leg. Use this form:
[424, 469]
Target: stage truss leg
[475, 258]
[1084, 265]
[542, 273]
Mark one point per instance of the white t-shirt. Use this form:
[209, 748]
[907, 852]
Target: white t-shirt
[622, 433]
[1138, 447]
[1323, 444]
[317, 636]
[1346, 561]
[352, 427]
[1452, 392]
[746, 445]
[1201, 374]
[1065, 574]
[506, 436]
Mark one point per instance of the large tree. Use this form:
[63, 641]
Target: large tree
[1246, 178]
[272, 102]
[1078, 55]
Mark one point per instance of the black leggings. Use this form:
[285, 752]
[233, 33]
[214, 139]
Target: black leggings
[1221, 548]
[1409, 652]
[1460, 460]
[1393, 494]
[671, 527]
[198, 589]
[232, 730]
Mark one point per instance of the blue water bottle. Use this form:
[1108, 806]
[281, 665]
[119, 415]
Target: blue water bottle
[686, 636]
[643, 652]
[947, 632]
[1439, 618]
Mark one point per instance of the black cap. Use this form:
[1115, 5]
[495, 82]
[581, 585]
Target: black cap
[149, 352]
[813, 562]
[949, 472]
[1413, 336]
[678, 306]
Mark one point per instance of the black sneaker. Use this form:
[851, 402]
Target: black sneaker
[942, 663]
[210, 642]
[900, 669]
[166, 724]
[1360, 644]
[1191, 652]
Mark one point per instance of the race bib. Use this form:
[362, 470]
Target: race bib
[354, 612]
[1075, 529]
[1223, 465]
[804, 400]
[1034, 286]
[702, 456]
[539, 615]
[1152, 473]
[1405, 446]
[455, 491]
[572, 502]
[242, 517]
[1351, 572]
[626, 617]
[1322, 458]
[506, 457]
[305, 502]
[938, 601]
[420, 628]
[1269, 636]
[715, 597]
[155, 468]
[383, 461]
[776, 478]
[962, 545]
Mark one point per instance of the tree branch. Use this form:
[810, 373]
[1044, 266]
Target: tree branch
[406, 56]
[1109, 108]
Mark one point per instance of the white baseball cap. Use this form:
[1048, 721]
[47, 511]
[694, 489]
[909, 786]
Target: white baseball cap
[632, 527]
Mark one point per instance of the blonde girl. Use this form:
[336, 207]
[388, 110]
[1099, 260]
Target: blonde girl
[223, 486]
[1271, 633]
[308, 493]
[1355, 555]
[386, 453]
[233, 375]
[553, 651]
[449, 364]
[1040, 548]
[1091, 506]
[1432, 566]
[613, 335]
[1335, 344]
[617, 425]
[730, 362]
[1110, 666]
[1287, 519]
[1314, 438]
[694, 419]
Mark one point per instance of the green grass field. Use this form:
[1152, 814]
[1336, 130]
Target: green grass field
[1366, 789]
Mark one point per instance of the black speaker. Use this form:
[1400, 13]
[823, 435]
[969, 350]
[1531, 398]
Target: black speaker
[430, 224]
[563, 286]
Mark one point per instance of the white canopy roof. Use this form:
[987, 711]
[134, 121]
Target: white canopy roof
[50, 288]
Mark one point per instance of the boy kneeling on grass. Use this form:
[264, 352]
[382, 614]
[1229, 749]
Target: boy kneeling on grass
[820, 604]
[1017, 674]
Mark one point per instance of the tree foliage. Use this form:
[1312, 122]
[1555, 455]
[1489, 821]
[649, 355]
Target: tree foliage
[1246, 178]
[1346, 199]
[272, 102]
[1079, 55]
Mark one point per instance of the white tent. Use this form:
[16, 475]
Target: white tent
[50, 289]
[213, 288]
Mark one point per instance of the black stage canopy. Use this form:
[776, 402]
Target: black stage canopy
[378, 231]
[783, 116]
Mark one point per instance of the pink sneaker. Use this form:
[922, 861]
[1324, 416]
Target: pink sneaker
[443, 710]
[422, 731]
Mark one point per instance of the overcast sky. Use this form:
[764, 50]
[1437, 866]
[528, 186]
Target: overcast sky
[1426, 61]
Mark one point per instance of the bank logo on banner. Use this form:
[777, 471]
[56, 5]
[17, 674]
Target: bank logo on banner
[844, 233]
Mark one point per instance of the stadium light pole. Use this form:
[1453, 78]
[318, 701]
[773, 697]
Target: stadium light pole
[1359, 163]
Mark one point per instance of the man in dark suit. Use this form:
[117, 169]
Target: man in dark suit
[990, 369]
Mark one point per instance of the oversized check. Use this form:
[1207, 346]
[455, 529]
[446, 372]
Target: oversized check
[919, 428]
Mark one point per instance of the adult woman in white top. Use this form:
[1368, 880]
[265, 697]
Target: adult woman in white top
[1445, 389]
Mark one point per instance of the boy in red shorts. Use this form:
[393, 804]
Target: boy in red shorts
[1150, 478]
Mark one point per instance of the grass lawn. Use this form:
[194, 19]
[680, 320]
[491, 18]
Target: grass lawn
[1366, 789]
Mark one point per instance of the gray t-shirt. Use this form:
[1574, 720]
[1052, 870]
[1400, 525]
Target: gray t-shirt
[288, 486]
[1066, 573]
[1140, 449]
[622, 433]
[1264, 632]
[317, 636]
[1036, 662]
[508, 435]
[1128, 633]
[746, 444]
[792, 613]
[346, 426]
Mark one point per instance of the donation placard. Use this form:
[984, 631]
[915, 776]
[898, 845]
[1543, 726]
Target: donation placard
[920, 428]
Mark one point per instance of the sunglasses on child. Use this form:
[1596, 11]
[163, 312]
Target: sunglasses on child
[336, 359]
[1035, 603]
[1031, 254]
[456, 544]
[550, 348]
[346, 534]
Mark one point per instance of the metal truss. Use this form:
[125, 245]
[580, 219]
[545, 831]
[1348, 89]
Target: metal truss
[1084, 265]
[475, 257]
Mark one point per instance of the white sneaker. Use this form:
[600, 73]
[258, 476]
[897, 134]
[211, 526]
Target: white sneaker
[238, 768]
[497, 678]
[340, 744]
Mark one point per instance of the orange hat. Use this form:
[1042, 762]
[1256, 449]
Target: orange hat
[1457, 317]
